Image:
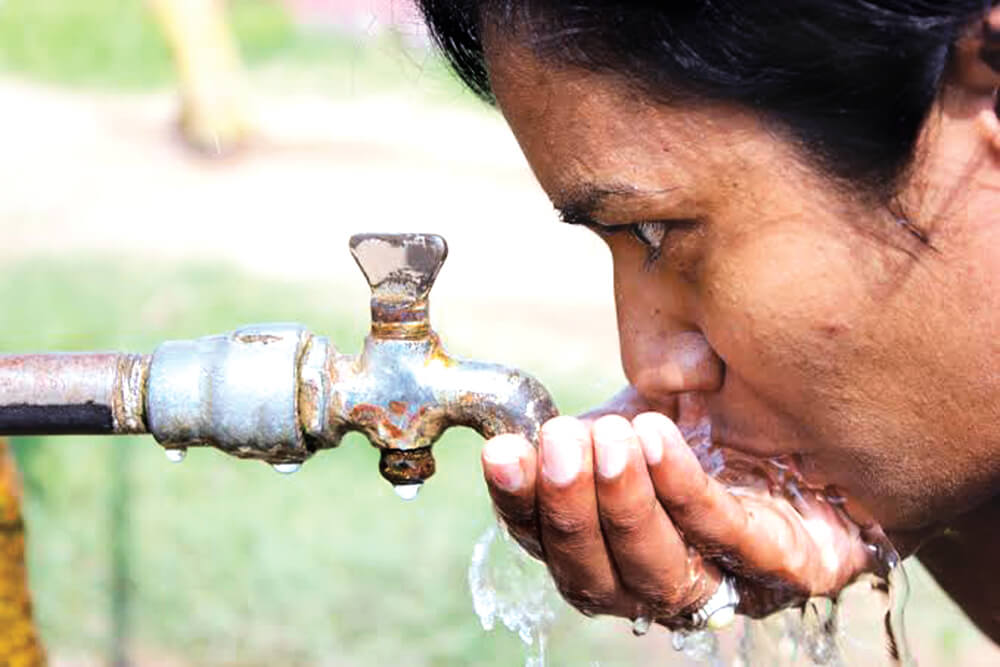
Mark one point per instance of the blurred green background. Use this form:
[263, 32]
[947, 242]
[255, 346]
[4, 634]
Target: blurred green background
[222, 562]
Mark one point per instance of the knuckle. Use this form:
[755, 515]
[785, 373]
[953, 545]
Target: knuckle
[693, 497]
[565, 526]
[627, 523]
[667, 598]
[663, 600]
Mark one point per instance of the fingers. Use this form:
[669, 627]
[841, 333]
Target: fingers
[509, 465]
[708, 515]
[585, 504]
[568, 521]
[758, 536]
[623, 515]
[652, 560]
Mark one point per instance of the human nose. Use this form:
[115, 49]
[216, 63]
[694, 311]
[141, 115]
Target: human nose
[664, 351]
[662, 365]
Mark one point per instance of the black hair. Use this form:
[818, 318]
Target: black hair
[851, 81]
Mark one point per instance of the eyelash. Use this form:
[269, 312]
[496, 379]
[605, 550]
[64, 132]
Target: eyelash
[651, 235]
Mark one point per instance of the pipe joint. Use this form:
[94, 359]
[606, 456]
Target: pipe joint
[238, 392]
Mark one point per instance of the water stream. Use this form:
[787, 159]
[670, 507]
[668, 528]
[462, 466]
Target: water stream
[509, 586]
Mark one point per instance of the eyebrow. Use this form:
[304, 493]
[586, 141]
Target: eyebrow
[579, 205]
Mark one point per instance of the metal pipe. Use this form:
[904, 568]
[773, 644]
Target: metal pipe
[279, 393]
[62, 394]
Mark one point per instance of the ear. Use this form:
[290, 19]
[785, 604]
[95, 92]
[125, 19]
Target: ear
[976, 71]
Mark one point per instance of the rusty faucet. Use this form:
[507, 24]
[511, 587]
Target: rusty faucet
[278, 393]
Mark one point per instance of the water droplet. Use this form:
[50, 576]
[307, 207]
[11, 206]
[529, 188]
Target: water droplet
[407, 491]
[722, 618]
[175, 455]
[640, 625]
[286, 468]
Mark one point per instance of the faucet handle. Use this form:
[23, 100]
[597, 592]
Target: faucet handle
[399, 267]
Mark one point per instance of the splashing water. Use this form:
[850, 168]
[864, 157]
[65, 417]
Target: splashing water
[508, 584]
[641, 625]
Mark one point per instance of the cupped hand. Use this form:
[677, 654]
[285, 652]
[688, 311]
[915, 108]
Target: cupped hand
[630, 525]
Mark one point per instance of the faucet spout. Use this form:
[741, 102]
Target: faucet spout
[404, 390]
[278, 393]
[403, 394]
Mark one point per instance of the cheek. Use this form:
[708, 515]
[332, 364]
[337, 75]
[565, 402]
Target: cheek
[783, 312]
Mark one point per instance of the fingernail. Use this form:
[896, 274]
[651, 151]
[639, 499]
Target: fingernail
[611, 440]
[562, 460]
[647, 427]
[652, 449]
[508, 476]
[503, 456]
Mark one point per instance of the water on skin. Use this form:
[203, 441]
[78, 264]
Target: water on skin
[510, 586]
[641, 625]
[287, 468]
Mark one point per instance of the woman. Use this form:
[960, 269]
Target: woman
[802, 202]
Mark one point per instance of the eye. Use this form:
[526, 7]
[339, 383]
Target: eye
[650, 234]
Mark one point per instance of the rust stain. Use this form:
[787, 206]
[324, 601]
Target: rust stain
[374, 417]
[406, 466]
[397, 408]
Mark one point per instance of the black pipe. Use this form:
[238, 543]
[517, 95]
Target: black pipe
[78, 419]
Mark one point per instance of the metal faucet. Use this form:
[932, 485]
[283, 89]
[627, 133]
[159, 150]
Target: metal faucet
[278, 393]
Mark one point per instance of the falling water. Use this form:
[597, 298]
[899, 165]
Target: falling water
[175, 454]
[407, 492]
[508, 584]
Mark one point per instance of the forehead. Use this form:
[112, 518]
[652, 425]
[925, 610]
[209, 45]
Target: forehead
[576, 126]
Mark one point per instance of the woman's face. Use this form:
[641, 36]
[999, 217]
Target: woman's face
[803, 320]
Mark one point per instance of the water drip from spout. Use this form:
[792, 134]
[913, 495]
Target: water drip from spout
[407, 492]
[175, 455]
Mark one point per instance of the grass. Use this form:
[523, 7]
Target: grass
[116, 44]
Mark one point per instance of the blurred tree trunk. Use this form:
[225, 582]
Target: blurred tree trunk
[214, 116]
[19, 642]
